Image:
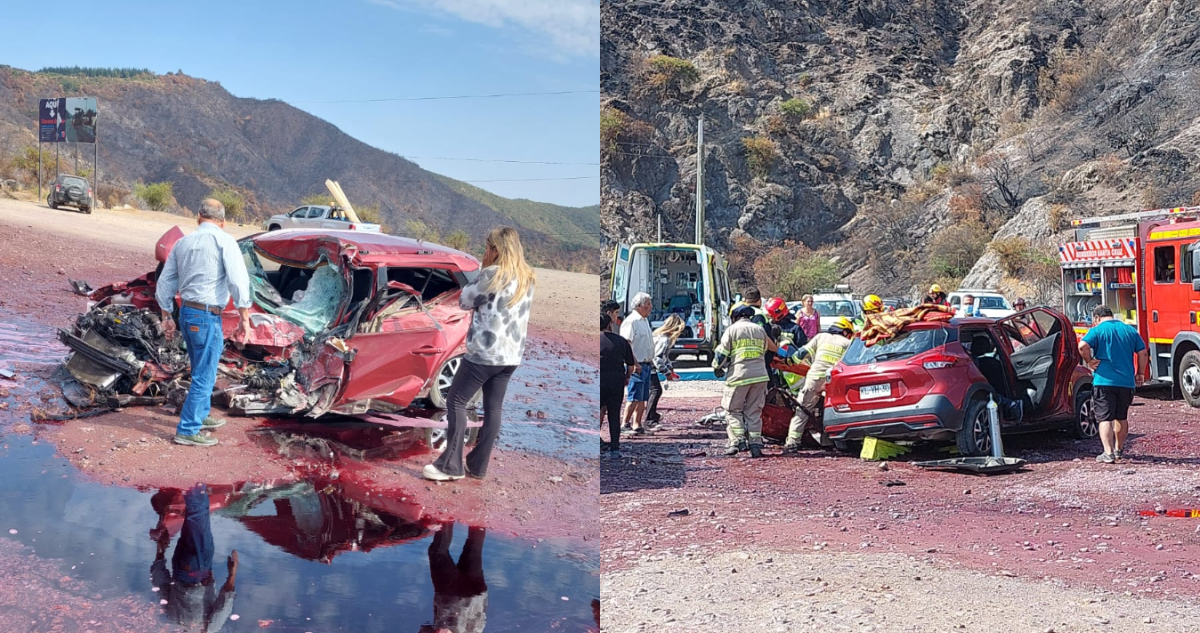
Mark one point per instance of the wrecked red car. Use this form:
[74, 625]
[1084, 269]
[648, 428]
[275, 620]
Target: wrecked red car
[342, 321]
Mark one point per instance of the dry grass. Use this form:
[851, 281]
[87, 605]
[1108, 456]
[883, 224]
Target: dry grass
[761, 154]
[1071, 77]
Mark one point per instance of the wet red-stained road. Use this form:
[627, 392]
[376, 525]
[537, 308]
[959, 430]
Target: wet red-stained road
[1063, 518]
[103, 470]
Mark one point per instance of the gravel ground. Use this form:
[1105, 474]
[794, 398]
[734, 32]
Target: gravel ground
[1062, 531]
[757, 590]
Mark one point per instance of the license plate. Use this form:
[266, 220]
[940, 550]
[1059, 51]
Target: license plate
[875, 391]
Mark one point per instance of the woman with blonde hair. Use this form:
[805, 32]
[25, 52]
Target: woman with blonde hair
[501, 297]
[664, 339]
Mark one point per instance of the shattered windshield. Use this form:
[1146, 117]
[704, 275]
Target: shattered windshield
[308, 297]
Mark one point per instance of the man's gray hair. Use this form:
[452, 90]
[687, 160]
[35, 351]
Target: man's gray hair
[212, 209]
[641, 299]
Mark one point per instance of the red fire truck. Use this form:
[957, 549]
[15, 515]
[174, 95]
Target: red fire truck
[1144, 267]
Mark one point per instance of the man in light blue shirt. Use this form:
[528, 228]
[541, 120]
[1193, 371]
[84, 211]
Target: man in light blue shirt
[204, 268]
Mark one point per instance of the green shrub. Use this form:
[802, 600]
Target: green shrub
[319, 199]
[124, 73]
[761, 154]
[796, 108]
[418, 230]
[956, 248]
[806, 80]
[617, 127]
[1014, 253]
[792, 270]
[665, 73]
[235, 204]
[458, 240]
[26, 164]
[157, 195]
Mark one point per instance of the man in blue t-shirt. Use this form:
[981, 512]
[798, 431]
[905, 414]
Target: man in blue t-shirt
[1108, 348]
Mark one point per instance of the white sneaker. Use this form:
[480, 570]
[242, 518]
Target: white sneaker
[432, 473]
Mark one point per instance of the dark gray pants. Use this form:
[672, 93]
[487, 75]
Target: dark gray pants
[467, 382]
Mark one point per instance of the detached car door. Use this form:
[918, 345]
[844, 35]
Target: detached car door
[394, 363]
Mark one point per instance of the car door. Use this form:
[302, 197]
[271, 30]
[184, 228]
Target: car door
[291, 221]
[393, 364]
[1043, 357]
[620, 274]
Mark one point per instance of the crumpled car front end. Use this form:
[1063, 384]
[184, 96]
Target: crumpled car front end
[331, 329]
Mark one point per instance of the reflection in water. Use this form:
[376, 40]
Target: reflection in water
[459, 591]
[323, 554]
[187, 589]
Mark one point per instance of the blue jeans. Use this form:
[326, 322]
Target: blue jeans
[205, 343]
[193, 556]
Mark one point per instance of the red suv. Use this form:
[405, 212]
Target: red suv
[933, 381]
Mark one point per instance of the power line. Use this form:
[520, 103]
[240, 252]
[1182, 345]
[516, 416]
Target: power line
[533, 179]
[499, 160]
[450, 97]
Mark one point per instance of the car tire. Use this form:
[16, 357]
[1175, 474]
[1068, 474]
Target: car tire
[1083, 421]
[440, 388]
[274, 227]
[87, 210]
[1188, 378]
[974, 439]
[51, 203]
[850, 447]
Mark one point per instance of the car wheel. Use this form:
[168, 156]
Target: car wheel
[1189, 377]
[1084, 422]
[439, 392]
[274, 227]
[853, 447]
[87, 210]
[975, 436]
[50, 202]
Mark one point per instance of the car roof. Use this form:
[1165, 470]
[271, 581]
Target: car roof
[302, 244]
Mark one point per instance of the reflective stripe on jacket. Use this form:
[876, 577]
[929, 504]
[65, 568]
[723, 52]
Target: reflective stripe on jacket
[743, 346]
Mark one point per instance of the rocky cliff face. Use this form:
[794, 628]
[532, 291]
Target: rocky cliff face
[902, 136]
[197, 135]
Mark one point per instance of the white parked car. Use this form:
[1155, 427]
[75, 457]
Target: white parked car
[317, 217]
[831, 304]
[988, 303]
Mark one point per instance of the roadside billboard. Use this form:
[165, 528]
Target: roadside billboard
[67, 120]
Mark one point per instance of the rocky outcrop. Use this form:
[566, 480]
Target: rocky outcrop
[821, 115]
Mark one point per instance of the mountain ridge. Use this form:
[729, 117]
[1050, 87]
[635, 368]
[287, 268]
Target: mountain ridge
[195, 134]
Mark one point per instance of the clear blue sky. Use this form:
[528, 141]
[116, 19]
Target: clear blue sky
[307, 51]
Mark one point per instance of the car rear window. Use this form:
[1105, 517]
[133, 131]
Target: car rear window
[843, 307]
[79, 182]
[991, 303]
[905, 344]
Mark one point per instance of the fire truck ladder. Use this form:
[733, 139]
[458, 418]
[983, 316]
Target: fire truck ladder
[1137, 215]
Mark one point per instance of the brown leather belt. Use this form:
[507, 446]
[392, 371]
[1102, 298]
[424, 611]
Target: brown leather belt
[201, 306]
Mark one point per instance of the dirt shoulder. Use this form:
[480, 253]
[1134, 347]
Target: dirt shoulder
[756, 589]
[563, 301]
[1065, 521]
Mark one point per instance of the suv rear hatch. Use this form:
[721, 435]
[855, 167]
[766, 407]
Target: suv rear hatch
[893, 373]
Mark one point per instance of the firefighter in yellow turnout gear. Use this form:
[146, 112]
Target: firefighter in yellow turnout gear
[826, 350]
[743, 349]
[871, 305]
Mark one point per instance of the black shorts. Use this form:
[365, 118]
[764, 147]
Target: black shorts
[1112, 403]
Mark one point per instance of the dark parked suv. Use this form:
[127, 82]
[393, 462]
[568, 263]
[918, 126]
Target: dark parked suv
[71, 191]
